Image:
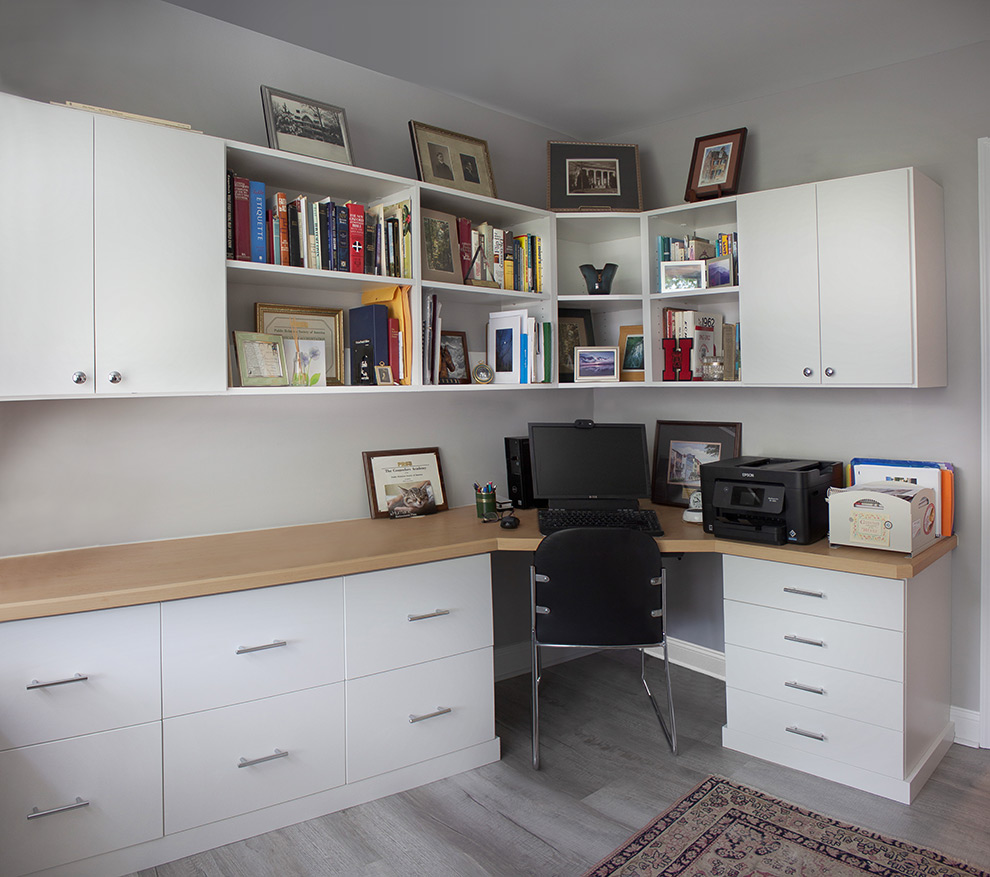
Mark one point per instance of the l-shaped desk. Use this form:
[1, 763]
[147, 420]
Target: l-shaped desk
[191, 650]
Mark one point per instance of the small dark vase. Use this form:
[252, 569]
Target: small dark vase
[599, 280]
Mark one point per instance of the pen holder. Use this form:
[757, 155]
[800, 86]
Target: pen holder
[484, 503]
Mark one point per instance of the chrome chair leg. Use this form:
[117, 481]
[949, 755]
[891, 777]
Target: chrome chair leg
[671, 732]
[535, 670]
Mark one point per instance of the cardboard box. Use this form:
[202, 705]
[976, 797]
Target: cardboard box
[893, 516]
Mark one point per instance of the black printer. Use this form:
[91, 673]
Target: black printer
[768, 499]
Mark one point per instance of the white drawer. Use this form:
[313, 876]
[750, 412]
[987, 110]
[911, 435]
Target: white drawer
[382, 734]
[403, 616]
[847, 741]
[204, 781]
[840, 692]
[118, 772]
[232, 648]
[824, 592]
[110, 656]
[871, 650]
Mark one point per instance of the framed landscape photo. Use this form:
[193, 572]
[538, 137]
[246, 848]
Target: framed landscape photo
[715, 165]
[574, 329]
[678, 276]
[441, 252]
[593, 176]
[298, 325]
[720, 272]
[454, 160]
[596, 364]
[260, 360]
[679, 450]
[305, 126]
[632, 353]
[454, 367]
[504, 354]
[404, 483]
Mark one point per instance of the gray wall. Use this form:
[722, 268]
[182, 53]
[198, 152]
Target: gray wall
[91, 472]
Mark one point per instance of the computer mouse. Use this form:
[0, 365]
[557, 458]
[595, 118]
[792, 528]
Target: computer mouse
[509, 522]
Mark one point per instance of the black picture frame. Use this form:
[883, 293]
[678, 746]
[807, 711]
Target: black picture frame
[593, 176]
[675, 467]
[305, 126]
[574, 329]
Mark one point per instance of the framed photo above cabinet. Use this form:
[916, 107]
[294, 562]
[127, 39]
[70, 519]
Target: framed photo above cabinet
[593, 176]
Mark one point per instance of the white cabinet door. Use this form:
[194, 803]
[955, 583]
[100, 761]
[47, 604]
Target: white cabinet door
[778, 286]
[160, 246]
[46, 249]
[865, 255]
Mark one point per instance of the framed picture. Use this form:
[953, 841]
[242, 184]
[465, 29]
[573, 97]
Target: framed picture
[593, 176]
[383, 376]
[574, 329]
[403, 484]
[454, 366]
[715, 165]
[596, 364]
[441, 252]
[632, 353]
[260, 359]
[680, 447]
[298, 325]
[504, 354]
[720, 271]
[305, 126]
[447, 158]
[678, 276]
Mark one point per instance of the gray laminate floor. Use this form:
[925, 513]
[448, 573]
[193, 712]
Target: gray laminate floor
[606, 773]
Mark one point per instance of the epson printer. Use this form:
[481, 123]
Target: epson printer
[767, 499]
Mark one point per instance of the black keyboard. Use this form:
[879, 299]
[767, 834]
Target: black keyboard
[552, 520]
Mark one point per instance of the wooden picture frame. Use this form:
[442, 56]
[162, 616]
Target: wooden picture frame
[441, 251]
[457, 161]
[679, 449]
[715, 165]
[632, 353]
[455, 368]
[593, 176]
[305, 126]
[596, 365]
[383, 376]
[260, 359]
[305, 323]
[404, 483]
[574, 329]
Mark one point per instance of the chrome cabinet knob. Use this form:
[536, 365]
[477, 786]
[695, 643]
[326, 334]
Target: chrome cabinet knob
[115, 377]
[830, 372]
[79, 377]
[808, 372]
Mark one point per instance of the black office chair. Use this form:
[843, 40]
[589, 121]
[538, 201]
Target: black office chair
[599, 588]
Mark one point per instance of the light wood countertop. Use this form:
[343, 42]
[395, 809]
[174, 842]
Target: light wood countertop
[59, 582]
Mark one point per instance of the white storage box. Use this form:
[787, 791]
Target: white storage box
[892, 515]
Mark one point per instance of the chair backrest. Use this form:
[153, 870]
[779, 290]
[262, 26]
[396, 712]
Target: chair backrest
[602, 588]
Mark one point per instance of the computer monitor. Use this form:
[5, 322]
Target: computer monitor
[589, 465]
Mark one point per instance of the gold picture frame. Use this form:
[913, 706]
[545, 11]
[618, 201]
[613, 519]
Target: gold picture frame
[293, 322]
[454, 160]
[632, 352]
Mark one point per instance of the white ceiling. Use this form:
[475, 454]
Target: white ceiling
[593, 69]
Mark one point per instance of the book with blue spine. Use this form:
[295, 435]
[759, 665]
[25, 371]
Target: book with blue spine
[368, 327]
[259, 232]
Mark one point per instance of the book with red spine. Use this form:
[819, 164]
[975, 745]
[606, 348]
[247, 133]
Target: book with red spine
[242, 219]
[279, 205]
[394, 355]
[464, 239]
[355, 226]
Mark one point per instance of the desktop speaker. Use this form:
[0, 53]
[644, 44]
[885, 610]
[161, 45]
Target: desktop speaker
[519, 473]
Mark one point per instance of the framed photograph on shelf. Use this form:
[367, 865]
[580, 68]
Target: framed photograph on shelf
[574, 329]
[504, 354]
[305, 126]
[679, 449]
[715, 165]
[441, 252]
[632, 353]
[454, 160]
[383, 376]
[720, 272]
[593, 176]
[596, 364]
[298, 325]
[454, 365]
[260, 359]
[680, 276]
[404, 483]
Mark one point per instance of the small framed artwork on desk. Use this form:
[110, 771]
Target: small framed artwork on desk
[404, 483]
[680, 448]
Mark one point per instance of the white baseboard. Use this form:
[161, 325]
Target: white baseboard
[967, 726]
[514, 659]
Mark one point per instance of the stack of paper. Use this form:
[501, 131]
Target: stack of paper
[938, 476]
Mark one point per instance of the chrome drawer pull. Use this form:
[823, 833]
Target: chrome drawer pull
[274, 644]
[814, 735]
[818, 594]
[809, 688]
[37, 814]
[36, 684]
[436, 613]
[250, 762]
[792, 638]
[440, 711]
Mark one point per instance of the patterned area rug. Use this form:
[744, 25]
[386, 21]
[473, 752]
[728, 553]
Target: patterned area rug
[722, 829]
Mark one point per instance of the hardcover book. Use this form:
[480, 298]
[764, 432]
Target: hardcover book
[369, 336]
[259, 232]
[279, 205]
[355, 238]
[242, 219]
[341, 223]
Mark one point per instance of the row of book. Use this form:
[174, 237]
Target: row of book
[265, 225]
[499, 259]
[710, 336]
